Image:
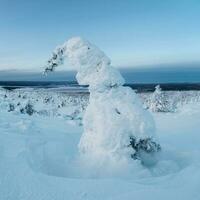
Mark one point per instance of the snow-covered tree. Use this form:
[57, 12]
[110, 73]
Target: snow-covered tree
[159, 102]
[115, 124]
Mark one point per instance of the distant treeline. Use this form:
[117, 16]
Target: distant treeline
[140, 87]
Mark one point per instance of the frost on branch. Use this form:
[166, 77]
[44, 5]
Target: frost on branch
[143, 148]
[55, 60]
[114, 115]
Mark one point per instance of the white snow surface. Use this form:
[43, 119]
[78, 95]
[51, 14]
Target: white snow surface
[39, 160]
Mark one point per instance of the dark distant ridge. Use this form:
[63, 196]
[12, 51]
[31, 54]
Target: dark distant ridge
[181, 73]
[150, 87]
[42, 84]
[140, 87]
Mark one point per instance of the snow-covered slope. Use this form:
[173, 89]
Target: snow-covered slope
[70, 103]
[39, 160]
[44, 102]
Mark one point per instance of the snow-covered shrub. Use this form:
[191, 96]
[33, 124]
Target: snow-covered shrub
[28, 109]
[169, 101]
[143, 148]
[45, 102]
[11, 107]
[72, 106]
[114, 114]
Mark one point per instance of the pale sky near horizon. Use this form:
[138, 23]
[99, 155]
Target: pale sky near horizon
[130, 32]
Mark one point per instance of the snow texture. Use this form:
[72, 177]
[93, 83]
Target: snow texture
[39, 161]
[114, 113]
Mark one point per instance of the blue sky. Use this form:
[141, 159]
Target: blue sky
[131, 32]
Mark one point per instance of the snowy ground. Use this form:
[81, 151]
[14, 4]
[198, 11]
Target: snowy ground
[39, 161]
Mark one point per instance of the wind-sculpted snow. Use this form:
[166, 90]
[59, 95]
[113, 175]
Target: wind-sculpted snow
[114, 113]
[92, 65]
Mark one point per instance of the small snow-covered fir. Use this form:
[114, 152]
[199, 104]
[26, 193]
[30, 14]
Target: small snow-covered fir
[158, 101]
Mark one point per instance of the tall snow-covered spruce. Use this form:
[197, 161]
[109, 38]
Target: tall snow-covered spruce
[115, 124]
